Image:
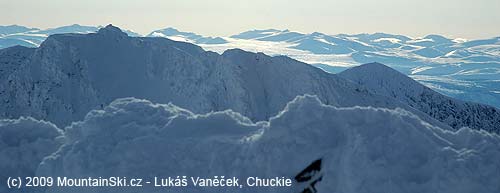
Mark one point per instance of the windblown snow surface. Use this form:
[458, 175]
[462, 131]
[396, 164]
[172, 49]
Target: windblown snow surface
[361, 149]
[24, 143]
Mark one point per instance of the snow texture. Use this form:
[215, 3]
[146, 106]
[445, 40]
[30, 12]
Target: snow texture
[24, 143]
[361, 149]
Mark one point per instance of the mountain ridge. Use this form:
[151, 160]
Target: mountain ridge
[71, 74]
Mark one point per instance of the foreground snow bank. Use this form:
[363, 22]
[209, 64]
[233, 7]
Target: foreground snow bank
[23, 144]
[320, 147]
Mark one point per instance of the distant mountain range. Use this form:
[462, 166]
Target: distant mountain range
[463, 69]
[174, 34]
[13, 35]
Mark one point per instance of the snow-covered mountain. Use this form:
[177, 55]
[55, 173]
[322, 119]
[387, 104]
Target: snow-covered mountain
[382, 80]
[316, 42]
[463, 69]
[13, 29]
[32, 37]
[238, 113]
[468, 70]
[71, 74]
[177, 35]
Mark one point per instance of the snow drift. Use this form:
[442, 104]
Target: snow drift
[357, 149]
[23, 144]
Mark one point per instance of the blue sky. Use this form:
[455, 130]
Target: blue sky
[454, 18]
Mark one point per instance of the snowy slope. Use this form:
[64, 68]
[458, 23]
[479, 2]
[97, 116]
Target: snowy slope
[352, 150]
[382, 80]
